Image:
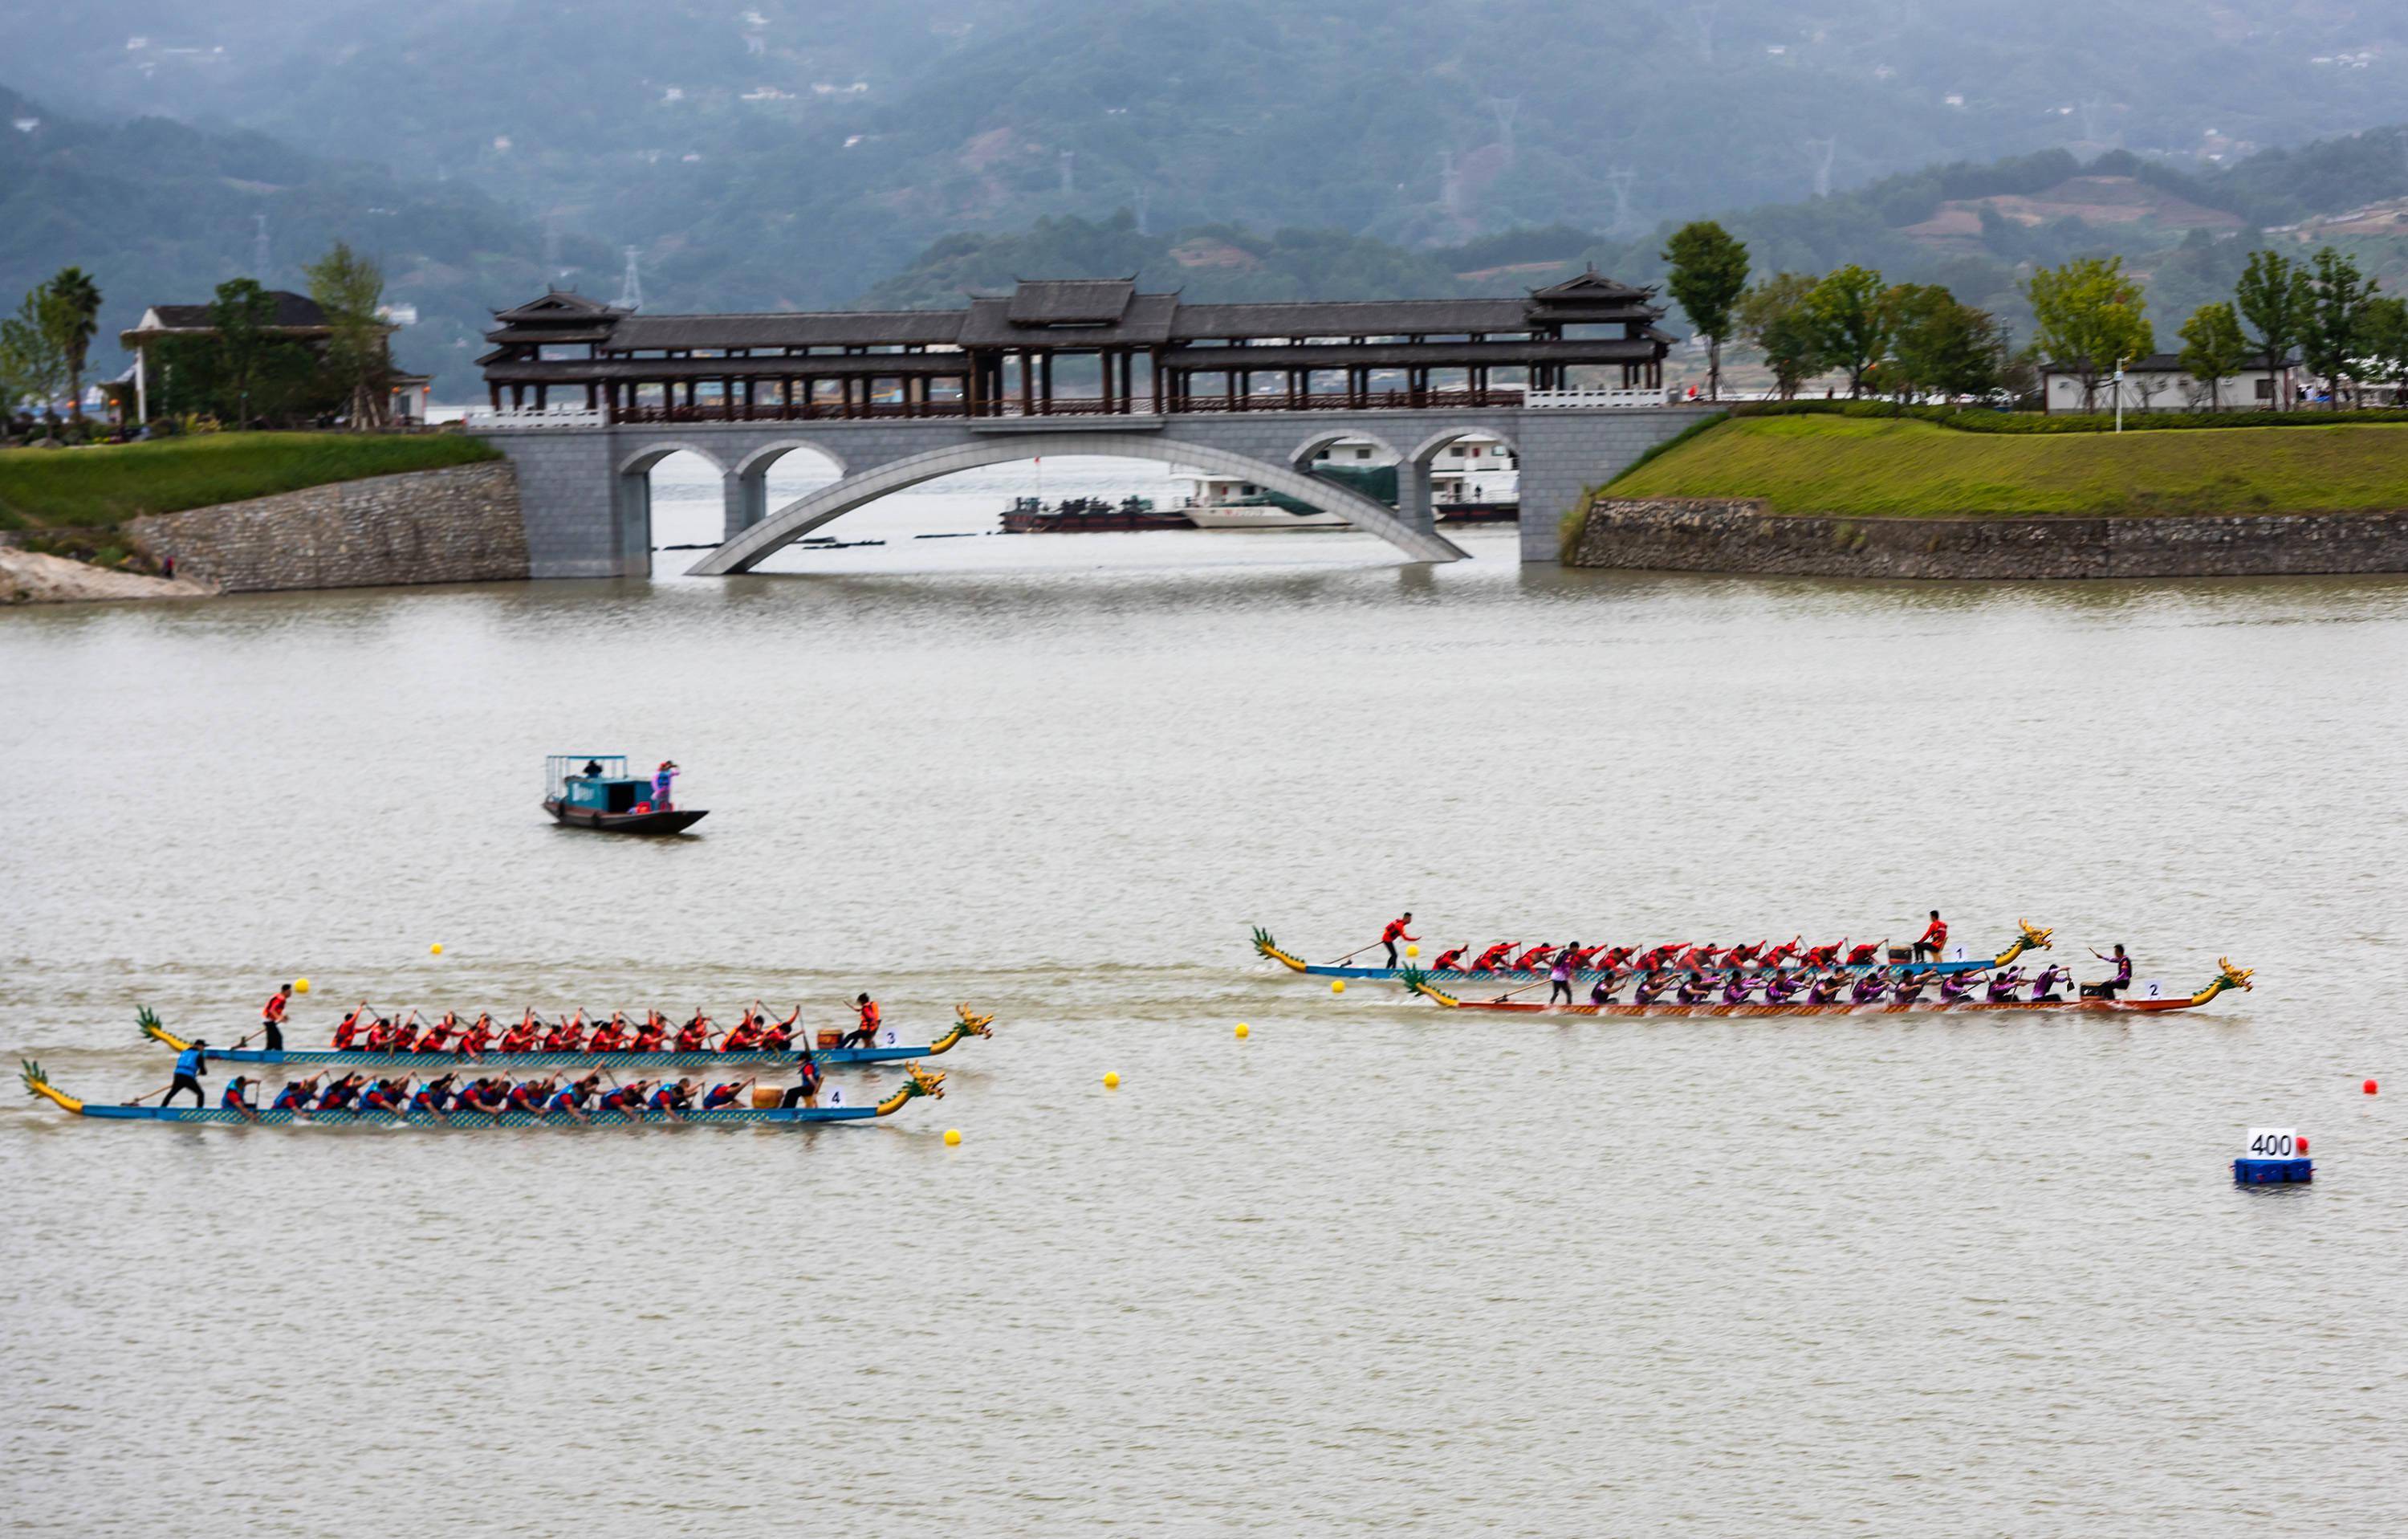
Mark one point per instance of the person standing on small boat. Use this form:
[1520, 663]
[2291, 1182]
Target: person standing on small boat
[866, 1034]
[1935, 938]
[1395, 932]
[661, 780]
[271, 1017]
[191, 1064]
[2107, 988]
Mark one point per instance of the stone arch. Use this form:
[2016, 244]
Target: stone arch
[747, 549]
[1302, 459]
[640, 463]
[758, 461]
[1427, 451]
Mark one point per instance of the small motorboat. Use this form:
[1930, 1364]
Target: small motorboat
[595, 791]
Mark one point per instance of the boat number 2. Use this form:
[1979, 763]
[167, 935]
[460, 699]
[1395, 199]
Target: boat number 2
[2153, 989]
[2272, 1144]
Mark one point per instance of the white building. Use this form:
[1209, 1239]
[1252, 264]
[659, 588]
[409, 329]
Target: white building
[2158, 383]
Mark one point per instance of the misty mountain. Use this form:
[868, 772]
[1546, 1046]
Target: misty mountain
[794, 153]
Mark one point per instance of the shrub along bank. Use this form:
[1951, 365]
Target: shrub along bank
[99, 488]
[1863, 464]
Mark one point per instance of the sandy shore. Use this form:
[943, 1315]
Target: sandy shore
[28, 578]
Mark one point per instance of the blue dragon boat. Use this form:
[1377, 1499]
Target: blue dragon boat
[2031, 938]
[917, 1082]
[966, 1025]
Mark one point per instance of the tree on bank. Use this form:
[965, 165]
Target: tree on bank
[2089, 319]
[2274, 297]
[80, 296]
[2213, 349]
[2335, 323]
[241, 314]
[1850, 327]
[1773, 318]
[1709, 273]
[2385, 340]
[349, 288]
[1939, 346]
[35, 348]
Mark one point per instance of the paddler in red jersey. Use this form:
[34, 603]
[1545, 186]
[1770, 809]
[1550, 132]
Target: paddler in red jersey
[1395, 932]
[1449, 960]
[695, 1035]
[778, 1036]
[655, 1032]
[1489, 960]
[478, 1038]
[440, 1034]
[522, 1036]
[348, 1029]
[866, 1034]
[1934, 940]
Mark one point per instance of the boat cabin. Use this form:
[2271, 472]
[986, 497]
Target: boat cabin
[595, 783]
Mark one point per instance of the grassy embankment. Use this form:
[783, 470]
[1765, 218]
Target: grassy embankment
[1874, 467]
[94, 490]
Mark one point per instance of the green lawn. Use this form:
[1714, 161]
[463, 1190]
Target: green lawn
[100, 487]
[1871, 467]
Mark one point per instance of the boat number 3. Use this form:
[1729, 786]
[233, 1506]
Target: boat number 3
[886, 1038]
[2272, 1144]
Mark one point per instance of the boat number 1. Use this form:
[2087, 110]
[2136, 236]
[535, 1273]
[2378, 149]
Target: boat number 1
[2272, 1144]
[1959, 953]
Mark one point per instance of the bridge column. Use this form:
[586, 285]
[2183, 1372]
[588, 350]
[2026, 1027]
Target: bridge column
[1414, 508]
[744, 500]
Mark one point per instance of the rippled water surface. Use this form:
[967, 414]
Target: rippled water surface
[1379, 1267]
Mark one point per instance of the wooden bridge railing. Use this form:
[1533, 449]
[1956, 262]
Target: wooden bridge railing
[765, 411]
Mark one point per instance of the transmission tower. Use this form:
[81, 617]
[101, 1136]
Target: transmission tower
[2090, 105]
[631, 288]
[1144, 196]
[1505, 108]
[1702, 18]
[1069, 164]
[259, 247]
[1820, 153]
[1620, 180]
[1449, 186]
[552, 243]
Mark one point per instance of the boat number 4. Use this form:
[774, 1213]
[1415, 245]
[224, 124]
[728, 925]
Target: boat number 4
[832, 1096]
[2273, 1143]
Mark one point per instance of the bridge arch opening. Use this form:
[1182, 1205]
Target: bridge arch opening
[683, 495]
[796, 520]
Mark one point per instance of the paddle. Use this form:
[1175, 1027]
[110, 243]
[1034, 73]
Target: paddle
[1511, 992]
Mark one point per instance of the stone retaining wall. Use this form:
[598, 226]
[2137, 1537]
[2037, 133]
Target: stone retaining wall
[457, 525]
[1716, 535]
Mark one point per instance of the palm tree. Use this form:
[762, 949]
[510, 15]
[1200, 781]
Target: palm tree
[74, 288]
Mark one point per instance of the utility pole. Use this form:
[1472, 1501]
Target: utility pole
[2119, 394]
[1449, 186]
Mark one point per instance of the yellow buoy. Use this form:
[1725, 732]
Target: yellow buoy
[300, 986]
[952, 1136]
[1112, 1082]
[435, 950]
[1413, 951]
[1242, 1029]
[1337, 985]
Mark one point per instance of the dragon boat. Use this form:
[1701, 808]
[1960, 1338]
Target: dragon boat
[2031, 938]
[2227, 977]
[966, 1025]
[917, 1081]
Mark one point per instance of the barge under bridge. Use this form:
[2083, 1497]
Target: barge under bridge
[893, 400]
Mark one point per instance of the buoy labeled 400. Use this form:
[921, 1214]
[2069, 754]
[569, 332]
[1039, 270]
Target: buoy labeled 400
[2271, 1157]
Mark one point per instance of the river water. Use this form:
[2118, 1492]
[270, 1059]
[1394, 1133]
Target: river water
[1378, 1267]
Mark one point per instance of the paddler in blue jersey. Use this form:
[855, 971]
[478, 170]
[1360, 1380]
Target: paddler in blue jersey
[191, 1064]
[235, 1101]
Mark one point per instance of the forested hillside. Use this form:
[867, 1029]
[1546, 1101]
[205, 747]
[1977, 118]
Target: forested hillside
[793, 152]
